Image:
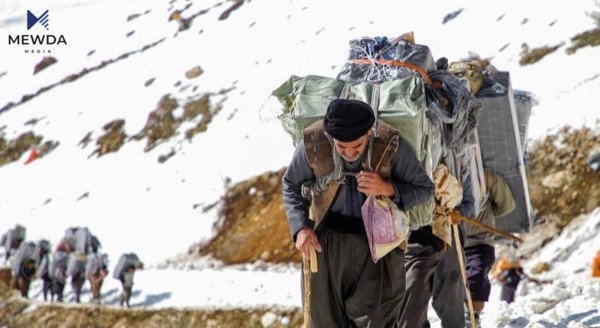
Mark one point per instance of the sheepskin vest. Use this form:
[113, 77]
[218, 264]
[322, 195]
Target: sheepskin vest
[319, 151]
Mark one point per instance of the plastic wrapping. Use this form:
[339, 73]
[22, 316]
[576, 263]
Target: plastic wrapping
[76, 264]
[524, 101]
[58, 266]
[477, 173]
[125, 261]
[304, 100]
[376, 60]
[79, 238]
[95, 262]
[387, 227]
[461, 114]
[501, 149]
[26, 252]
[434, 109]
[399, 102]
[449, 101]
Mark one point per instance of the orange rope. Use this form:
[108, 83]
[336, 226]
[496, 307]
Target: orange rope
[396, 63]
[437, 85]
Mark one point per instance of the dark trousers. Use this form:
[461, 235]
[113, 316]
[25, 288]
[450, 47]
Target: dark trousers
[479, 262]
[349, 289]
[421, 263]
[22, 284]
[76, 285]
[507, 293]
[57, 289]
[22, 281]
[46, 287]
[126, 295]
[432, 273]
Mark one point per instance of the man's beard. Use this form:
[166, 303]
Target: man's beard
[352, 160]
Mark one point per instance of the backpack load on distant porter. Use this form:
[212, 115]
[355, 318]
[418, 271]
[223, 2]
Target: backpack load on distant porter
[502, 134]
[125, 261]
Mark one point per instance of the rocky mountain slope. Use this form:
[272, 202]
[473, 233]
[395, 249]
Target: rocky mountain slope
[253, 227]
[252, 223]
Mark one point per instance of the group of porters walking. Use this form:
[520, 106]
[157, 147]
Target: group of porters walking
[75, 260]
[387, 195]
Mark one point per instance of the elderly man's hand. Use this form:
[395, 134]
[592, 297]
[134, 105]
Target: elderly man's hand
[370, 183]
[305, 238]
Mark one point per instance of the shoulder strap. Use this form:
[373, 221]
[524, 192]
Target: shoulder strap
[488, 179]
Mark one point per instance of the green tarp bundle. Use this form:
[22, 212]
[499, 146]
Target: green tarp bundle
[398, 102]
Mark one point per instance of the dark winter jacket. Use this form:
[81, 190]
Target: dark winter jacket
[315, 158]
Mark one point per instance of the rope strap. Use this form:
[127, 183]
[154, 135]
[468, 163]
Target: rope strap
[396, 63]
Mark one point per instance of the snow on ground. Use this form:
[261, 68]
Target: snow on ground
[136, 204]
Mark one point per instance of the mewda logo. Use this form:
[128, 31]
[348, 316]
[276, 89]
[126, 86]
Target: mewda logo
[35, 42]
[32, 19]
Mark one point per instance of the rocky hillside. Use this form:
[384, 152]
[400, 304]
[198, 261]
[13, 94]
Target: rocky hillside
[17, 312]
[561, 183]
[253, 227]
[252, 222]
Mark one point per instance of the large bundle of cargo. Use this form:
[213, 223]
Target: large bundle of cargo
[12, 239]
[452, 111]
[27, 254]
[76, 264]
[95, 263]
[501, 144]
[400, 103]
[58, 266]
[524, 100]
[81, 240]
[126, 261]
[432, 108]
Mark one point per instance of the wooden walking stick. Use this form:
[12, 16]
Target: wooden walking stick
[490, 228]
[309, 265]
[463, 273]
[306, 271]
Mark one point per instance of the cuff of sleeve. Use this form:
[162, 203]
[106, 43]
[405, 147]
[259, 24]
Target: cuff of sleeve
[306, 223]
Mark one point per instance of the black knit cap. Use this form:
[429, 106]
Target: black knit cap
[348, 119]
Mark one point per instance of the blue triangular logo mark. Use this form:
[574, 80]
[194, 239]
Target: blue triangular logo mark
[32, 19]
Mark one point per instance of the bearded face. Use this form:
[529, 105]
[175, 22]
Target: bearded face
[352, 150]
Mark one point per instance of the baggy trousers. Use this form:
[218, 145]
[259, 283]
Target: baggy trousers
[507, 293]
[349, 289]
[479, 262]
[432, 273]
[421, 263]
[77, 282]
